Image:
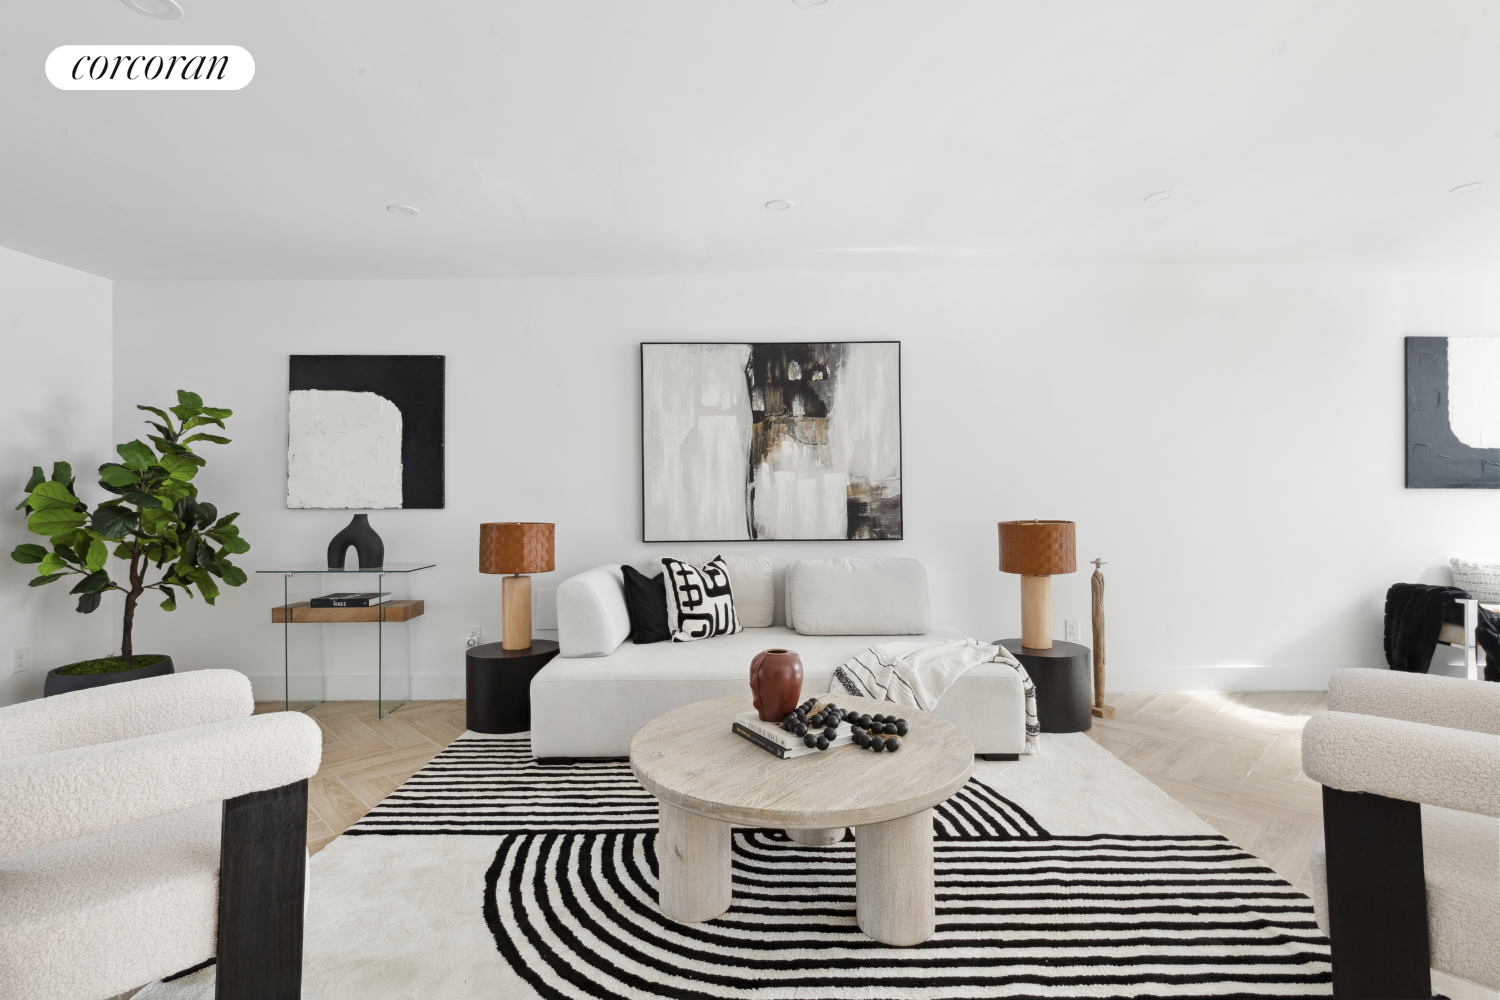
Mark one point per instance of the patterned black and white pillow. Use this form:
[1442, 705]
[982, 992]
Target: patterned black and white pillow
[700, 602]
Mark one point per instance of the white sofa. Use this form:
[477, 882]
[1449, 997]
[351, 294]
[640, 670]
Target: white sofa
[592, 698]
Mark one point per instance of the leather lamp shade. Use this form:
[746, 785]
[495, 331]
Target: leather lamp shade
[515, 547]
[1038, 550]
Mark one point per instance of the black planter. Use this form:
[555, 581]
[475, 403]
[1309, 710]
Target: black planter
[367, 544]
[63, 683]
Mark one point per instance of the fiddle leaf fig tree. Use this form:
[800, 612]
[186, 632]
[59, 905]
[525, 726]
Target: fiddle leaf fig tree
[156, 524]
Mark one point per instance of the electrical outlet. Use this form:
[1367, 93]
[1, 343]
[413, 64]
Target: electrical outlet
[20, 659]
[1070, 629]
[474, 636]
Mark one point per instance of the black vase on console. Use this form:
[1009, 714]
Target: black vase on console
[367, 545]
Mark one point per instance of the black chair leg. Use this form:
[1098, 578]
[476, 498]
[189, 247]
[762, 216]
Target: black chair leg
[262, 875]
[1377, 896]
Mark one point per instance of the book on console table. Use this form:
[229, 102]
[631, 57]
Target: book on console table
[774, 740]
[360, 600]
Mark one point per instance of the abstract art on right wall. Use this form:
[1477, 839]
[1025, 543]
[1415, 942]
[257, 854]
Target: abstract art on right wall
[1453, 413]
[759, 441]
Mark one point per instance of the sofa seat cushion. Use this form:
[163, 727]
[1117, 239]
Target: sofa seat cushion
[107, 912]
[592, 707]
[1461, 858]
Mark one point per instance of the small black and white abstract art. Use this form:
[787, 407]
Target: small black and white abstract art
[1453, 413]
[365, 431]
[761, 441]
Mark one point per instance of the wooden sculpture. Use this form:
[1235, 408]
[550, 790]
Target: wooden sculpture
[1096, 585]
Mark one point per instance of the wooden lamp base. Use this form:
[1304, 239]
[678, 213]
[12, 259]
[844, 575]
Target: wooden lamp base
[515, 608]
[1036, 612]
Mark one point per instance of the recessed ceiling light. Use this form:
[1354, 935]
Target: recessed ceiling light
[779, 205]
[401, 210]
[166, 10]
[813, 4]
[1158, 195]
[1470, 188]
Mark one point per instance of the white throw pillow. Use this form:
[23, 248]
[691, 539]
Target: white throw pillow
[858, 597]
[1481, 580]
[700, 602]
[752, 577]
[591, 616]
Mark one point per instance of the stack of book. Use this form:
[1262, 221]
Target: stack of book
[365, 600]
[771, 738]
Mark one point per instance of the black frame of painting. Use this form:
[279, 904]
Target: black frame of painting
[1435, 457]
[900, 430]
[406, 380]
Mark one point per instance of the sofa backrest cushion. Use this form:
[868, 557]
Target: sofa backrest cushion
[858, 597]
[750, 577]
[591, 615]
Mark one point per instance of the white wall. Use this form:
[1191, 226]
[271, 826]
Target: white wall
[1229, 438]
[55, 405]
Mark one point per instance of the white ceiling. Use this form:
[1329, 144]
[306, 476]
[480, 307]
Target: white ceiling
[645, 136]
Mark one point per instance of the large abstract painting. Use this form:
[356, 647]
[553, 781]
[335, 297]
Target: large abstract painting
[771, 441]
[1453, 413]
[365, 431]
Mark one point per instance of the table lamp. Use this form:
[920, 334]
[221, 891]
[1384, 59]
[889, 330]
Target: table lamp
[516, 548]
[1038, 551]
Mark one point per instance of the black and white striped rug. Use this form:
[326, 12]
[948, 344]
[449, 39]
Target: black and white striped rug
[570, 898]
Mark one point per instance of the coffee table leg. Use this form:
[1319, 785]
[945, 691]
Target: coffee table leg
[894, 880]
[693, 856]
[816, 838]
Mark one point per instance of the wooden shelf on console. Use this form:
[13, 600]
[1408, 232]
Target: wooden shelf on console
[395, 611]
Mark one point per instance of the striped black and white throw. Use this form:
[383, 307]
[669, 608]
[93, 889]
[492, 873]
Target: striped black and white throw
[571, 900]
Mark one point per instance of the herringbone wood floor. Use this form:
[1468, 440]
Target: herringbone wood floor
[1234, 759]
[365, 758]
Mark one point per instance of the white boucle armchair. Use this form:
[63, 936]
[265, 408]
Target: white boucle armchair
[146, 828]
[1406, 871]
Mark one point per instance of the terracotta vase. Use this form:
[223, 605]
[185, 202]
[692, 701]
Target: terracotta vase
[776, 683]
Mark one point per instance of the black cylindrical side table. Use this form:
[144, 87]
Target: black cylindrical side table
[1064, 679]
[498, 685]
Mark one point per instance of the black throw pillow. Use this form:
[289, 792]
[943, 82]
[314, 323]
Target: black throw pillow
[646, 603]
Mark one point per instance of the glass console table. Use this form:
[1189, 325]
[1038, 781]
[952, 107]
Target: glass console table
[308, 652]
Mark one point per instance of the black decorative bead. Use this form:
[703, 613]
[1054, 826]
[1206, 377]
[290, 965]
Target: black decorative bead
[822, 743]
[832, 732]
[901, 727]
[801, 729]
[892, 745]
[877, 745]
[900, 722]
[889, 729]
[810, 740]
[866, 721]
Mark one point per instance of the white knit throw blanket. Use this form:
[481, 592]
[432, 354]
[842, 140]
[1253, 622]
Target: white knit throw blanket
[918, 674]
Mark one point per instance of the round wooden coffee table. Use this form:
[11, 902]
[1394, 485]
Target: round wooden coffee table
[708, 779]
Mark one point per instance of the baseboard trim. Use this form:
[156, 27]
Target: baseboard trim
[361, 687]
[1164, 680]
